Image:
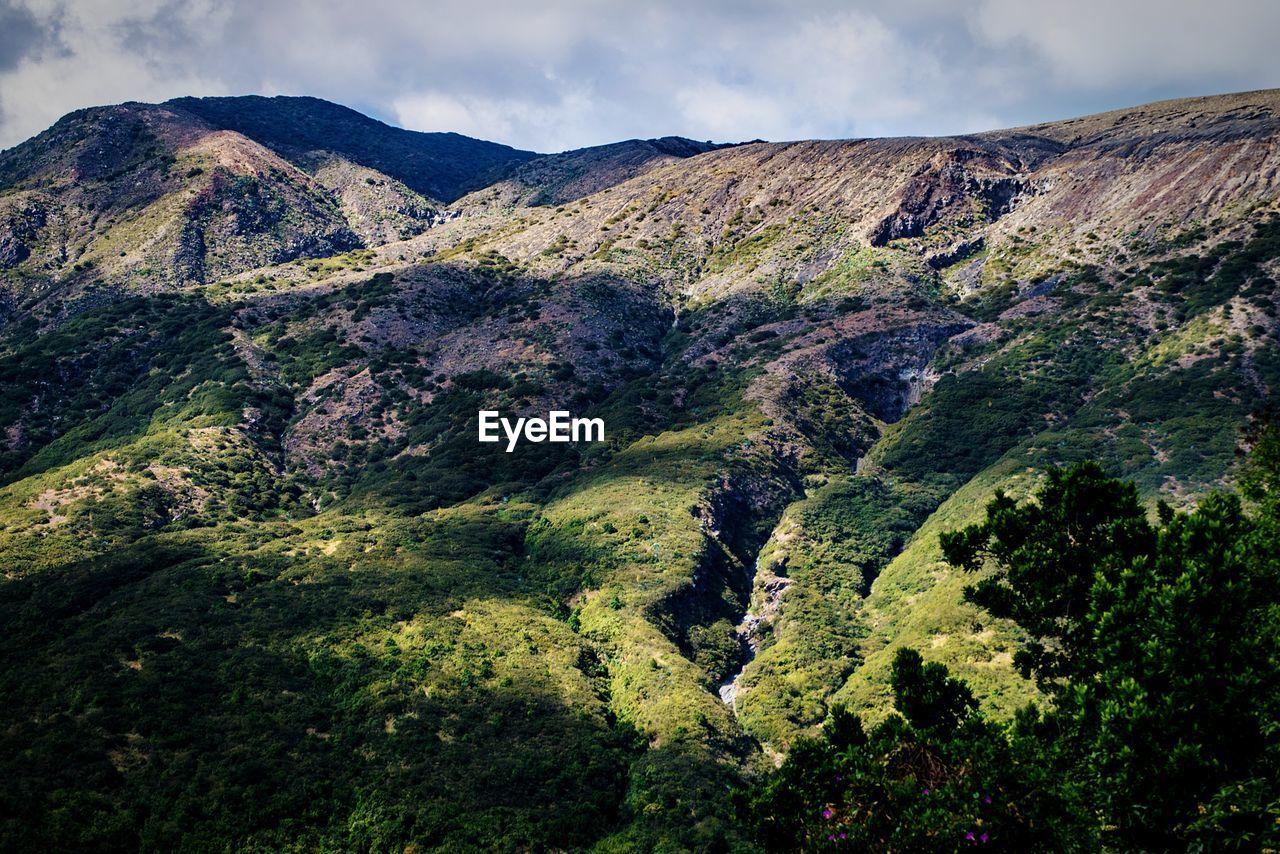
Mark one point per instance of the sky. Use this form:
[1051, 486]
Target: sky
[550, 75]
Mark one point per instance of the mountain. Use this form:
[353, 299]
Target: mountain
[264, 588]
[441, 166]
[554, 179]
[151, 197]
[198, 189]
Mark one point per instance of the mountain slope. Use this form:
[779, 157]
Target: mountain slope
[554, 179]
[156, 196]
[259, 496]
[440, 166]
[145, 197]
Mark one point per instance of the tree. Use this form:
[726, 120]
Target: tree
[1157, 644]
[1046, 556]
[936, 777]
[927, 696]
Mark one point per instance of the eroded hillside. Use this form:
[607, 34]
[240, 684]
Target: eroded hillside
[244, 504]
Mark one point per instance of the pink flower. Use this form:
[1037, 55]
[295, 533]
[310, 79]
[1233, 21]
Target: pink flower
[827, 813]
[985, 838]
[969, 836]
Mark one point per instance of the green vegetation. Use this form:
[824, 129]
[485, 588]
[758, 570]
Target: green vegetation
[1154, 645]
[164, 358]
[263, 589]
[829, 548]
[1196, 283]
[389, 598]
[937, 776]
[290, 671]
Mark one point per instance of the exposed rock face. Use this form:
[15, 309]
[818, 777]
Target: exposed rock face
[248, 339]
[885, 372]
[961, 186]
[21, 220]
[378, 208]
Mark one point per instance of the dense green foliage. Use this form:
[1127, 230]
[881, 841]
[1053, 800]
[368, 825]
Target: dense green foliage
[232, 688]
[167, 357]
[936, 777]
[384, 613]
[262, 589]
[1155, 646]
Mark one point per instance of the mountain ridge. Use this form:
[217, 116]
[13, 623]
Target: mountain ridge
[441, 166]
[253, 490]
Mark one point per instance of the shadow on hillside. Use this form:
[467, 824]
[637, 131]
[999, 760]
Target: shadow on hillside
[170, 697]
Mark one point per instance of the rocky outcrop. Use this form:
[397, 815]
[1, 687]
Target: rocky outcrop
[963, 186]
[21, 220]
[735, 518]
[377, 207]
[885, 372]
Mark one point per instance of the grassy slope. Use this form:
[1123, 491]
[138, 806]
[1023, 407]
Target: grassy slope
[573, 613]
[249, 530]
[1085, 381]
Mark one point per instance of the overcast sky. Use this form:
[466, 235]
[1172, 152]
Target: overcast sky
[555, 75]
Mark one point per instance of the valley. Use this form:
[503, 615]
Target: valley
[264, 588]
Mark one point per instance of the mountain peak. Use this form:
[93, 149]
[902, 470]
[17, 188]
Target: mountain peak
[442, 166]
[242, 499]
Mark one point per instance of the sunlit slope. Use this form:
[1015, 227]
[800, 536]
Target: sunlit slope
[266, 588]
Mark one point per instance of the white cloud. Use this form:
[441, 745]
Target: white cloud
[1106, 43]
[566, 73]
[840, 75]
[713, 110]
[551, 126]
[39, 91]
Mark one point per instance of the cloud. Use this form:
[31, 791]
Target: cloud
[715, 110]
[79, 58]
[1098, 44]
[545, 125]
[20, 34]
[565, 73]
